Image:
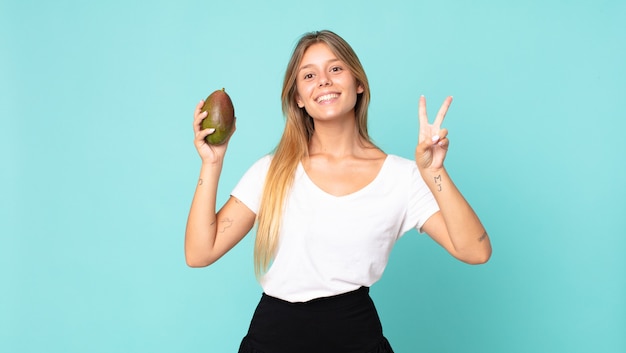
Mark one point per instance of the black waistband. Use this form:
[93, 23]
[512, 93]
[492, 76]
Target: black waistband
[343, 323]
[325, 303]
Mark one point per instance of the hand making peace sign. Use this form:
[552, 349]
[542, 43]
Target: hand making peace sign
[433, 142]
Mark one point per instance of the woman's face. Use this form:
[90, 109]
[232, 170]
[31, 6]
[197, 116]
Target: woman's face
[325, 86]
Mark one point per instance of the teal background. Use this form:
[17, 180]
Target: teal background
[98, 167]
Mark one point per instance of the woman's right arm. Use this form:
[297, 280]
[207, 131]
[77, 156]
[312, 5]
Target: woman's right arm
[210, 234]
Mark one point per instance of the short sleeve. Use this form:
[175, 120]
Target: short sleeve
[249, 189]
[421, 203]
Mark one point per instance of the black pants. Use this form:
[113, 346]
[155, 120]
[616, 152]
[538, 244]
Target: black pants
[346, 323]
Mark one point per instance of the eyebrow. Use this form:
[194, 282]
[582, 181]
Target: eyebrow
[311, 65]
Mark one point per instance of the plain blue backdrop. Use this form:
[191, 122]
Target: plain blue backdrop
[98, 167]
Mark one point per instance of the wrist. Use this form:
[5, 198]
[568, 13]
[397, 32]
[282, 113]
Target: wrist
[208, 169]
[431, 172]
[212, 163]
[436, 179]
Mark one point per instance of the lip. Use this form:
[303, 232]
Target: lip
[334, 95]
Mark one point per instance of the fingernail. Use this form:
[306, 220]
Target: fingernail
[435, 138]
[211, 130]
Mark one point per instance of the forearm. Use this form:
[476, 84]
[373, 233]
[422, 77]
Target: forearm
[467, 234]
[201, 223]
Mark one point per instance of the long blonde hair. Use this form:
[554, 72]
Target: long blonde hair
[294, 143]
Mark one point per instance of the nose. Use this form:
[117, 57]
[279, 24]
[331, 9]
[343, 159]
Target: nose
[324, 81]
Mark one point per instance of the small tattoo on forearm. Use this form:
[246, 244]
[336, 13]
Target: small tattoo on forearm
[438, 182]
[227, 224]
[200, 181]
[483, 237]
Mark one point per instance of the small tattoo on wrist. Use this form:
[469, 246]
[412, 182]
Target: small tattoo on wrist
[438, 182]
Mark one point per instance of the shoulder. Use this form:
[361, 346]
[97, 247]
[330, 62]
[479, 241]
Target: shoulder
[250, 187]
[258, 169]
[403, 171]
[266, 159]
[262, 164]
[398, 163]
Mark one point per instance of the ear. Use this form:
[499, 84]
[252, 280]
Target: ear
[360, 88]
[299, 101]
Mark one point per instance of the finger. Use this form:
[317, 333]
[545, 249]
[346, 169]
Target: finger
[422, 148]
[442, 112]
[198, 107]
[444, 143]
[437, 142]
[202, 134]
[197, 121]
[198, 110]
[439, 136]
[423, 117]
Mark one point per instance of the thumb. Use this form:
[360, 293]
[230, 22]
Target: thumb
[423, 146]
[426, 144]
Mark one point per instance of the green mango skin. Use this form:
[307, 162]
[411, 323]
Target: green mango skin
[221, 116]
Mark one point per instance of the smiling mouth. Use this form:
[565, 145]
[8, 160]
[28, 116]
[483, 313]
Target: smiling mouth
[326, 97]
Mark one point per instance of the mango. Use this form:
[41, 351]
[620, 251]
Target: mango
[221, 116]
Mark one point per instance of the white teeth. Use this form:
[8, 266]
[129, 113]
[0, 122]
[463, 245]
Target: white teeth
[327, 97]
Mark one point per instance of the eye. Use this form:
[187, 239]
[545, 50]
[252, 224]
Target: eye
[308, 76]
[336, 69]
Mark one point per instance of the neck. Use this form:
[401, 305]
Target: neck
[336, 138]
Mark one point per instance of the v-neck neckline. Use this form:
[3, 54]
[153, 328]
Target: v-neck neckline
[346, 196]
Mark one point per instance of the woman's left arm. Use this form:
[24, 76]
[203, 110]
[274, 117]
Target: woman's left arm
[456, 227]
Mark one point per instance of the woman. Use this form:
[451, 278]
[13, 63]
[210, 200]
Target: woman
[329, 206]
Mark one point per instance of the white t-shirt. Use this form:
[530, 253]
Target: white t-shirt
[335, 244]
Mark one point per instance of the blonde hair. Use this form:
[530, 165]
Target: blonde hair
[294, 143]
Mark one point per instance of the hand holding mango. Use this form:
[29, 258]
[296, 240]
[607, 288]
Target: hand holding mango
[220, 116]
